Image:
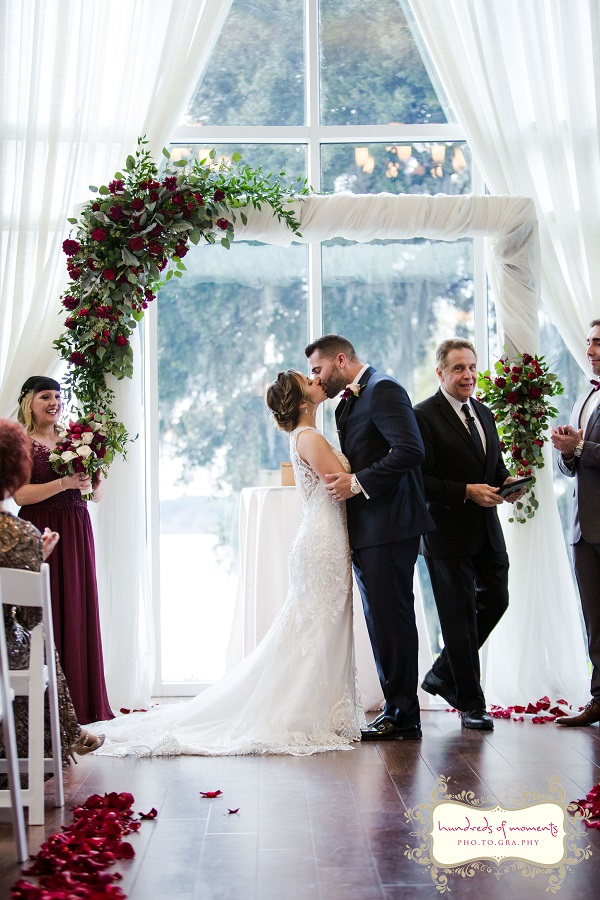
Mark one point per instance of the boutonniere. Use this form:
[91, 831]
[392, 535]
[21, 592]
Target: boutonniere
[353, 390]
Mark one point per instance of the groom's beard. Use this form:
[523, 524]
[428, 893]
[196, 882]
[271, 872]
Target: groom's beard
[334, 386]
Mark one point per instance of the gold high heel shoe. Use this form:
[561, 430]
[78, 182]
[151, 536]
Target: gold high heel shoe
[85, 743]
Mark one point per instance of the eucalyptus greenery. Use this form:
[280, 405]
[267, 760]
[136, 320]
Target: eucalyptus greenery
[131, 240]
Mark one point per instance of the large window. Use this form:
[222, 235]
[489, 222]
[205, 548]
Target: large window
[338, 92]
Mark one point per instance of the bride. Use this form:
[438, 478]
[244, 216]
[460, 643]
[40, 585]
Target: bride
[297, 692]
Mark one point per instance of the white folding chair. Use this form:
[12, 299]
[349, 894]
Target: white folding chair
[23, 588]
[10, 747]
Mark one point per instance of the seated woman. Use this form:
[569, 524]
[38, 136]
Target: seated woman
[23, 547]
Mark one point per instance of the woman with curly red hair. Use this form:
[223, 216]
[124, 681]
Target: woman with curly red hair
[23, 547]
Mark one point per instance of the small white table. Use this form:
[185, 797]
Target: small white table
[269, 519]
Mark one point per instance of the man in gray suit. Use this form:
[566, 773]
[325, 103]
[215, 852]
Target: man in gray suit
[579, 445]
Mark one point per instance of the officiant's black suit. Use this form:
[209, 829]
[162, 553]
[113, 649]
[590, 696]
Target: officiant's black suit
[379, 435]
[466, 554]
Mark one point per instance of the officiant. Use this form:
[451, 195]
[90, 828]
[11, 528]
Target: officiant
[466, 556]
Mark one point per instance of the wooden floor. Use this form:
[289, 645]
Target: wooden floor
[329, 826]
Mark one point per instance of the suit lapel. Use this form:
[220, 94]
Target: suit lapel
[454, 420]
[343, 408]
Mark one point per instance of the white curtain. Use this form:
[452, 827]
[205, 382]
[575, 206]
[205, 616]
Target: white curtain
[523, 80]
[79, 82]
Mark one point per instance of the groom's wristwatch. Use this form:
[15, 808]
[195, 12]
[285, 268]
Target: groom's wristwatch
[355, 487]
[578, 449]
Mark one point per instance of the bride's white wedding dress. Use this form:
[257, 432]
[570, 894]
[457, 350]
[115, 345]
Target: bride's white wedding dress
[297, 692]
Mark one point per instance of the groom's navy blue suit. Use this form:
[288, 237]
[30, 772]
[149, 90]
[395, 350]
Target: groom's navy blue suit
[379, 435]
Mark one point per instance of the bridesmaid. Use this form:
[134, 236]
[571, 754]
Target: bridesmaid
[49, 501]
[23, 547]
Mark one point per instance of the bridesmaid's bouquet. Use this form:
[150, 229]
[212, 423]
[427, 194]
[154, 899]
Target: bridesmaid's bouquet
[84, 445]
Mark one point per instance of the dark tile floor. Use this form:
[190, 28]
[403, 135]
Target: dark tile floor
[329, 826]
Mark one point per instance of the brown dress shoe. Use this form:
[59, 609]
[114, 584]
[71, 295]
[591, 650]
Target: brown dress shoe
[589, 715]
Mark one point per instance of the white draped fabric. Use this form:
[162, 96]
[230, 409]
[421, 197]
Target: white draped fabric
[541, 634]
[524, 84]
[79, 82]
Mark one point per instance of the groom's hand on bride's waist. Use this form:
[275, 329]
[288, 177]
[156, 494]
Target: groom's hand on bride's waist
[338, 484]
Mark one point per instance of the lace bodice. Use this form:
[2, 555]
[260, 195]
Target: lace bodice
[307, 479]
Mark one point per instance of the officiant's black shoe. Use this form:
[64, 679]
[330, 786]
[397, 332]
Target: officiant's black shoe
[477, 718]
[588, 716]
[386, 730]
[433, 684]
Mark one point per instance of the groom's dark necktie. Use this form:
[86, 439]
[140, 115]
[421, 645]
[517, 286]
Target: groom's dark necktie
[473, 429]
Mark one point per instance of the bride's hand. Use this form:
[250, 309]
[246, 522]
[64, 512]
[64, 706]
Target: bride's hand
[337, 485]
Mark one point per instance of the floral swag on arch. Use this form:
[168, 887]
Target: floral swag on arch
[138, 228]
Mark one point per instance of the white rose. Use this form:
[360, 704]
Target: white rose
[87, 437]
[68, 455]
[84, 451]
[354, 387]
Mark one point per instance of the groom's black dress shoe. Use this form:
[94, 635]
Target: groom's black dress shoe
[477, 718]
[382, 729]
[433, 684]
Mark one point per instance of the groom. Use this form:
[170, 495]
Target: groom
[387, 514]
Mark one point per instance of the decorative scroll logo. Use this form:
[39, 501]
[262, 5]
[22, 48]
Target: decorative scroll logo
[460, 834]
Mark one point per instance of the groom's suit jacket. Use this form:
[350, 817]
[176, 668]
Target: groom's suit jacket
[586, 470]
[451, 462]
[379, 435]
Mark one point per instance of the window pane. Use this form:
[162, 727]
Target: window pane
[236, 319]
[274, 158]
[371, 70]
[256, 71]
[419, 168]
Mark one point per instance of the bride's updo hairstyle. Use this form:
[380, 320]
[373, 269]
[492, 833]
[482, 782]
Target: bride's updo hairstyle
[33, 386]
[284, 397]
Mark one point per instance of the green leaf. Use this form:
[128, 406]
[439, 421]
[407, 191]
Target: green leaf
[166, 153]
[130, 163]
[72, 221]
[93, 188]
[236, 156]
[103, 189]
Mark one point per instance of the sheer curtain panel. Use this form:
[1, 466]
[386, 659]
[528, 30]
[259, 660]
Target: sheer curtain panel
[79, 82]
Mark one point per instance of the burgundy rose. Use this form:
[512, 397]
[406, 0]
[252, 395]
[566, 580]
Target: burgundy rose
[116, 213]
[513, 397]
[83, 312]
[223, 224]
[515, 452]
[170, 183]
[137, 205]
[91, 263]
[136, 225]
[219, 195]
[116, 187]
[155, 249]
[71, 247]
[99, 234]
[531, 375]
[70, 302]
[527, 358]
[181, 250]
[515, 378]
[95, 207]
[156, 231]
[178, 200]
[539, 442]
[153, 196]
[534, 392]
[506, 370]
[109, 275]
[121, 340]
[70, 323]
[500, 382]
[75, 273]
[199, 199]
[517, 369]
[77, 358]
[136, 243]
[149, 295]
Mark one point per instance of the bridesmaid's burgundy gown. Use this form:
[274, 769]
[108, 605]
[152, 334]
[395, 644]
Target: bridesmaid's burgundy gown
[74, 591]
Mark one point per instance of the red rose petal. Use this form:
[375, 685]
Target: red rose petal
[149, 815]
[210, 794]
[232, 811]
